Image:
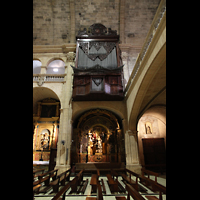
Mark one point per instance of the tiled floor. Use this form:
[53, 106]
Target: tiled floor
[108, 195]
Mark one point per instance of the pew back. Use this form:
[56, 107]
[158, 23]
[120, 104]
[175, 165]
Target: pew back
[133, 193]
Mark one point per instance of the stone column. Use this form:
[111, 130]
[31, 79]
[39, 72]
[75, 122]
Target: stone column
[43, 70]
[64, 137]
[132, 159]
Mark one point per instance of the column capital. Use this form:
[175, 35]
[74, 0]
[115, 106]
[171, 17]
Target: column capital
[70, 57]
[132, 133]
[45, 67]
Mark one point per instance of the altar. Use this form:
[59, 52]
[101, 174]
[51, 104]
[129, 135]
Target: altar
[97, 138]
[41, 165]
[36, 162]
[96, 146]
[98, 157]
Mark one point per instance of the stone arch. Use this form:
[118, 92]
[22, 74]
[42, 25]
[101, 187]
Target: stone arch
[138, 94]
[92, 125]
[155, 118]
[40, 93]
[36, 66]
[118, 108]
[56, 66]
[52, 59]
[35, 58]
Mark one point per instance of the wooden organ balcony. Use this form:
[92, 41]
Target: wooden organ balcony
[98, 72]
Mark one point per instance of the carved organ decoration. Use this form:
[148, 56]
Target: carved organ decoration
[101, 53]
[98, 60]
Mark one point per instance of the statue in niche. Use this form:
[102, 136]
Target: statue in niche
[99, 145]
[148, 128]
[44, 141]
[95, 142]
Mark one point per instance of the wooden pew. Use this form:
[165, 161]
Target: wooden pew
[36, 189]
[120, 198]
[79, 182]
[82, 190]
[130, 181]
[133, 193]
[112, 183]
[153, 186]
[102, 183]
[63, 190]
[61, 178]
[98, 174]
[64, 176]
[115, 174]
[99, 193]
[93, 182]
[36, 171]
[80, 176]
[76, 181]
[45, 177]
[104, 188]
[148, 172]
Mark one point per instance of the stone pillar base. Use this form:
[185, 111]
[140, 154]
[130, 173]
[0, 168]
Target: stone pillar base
[135, 168]
[62, 168]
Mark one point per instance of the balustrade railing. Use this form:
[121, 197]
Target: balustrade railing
[49, 77]
[156, 21]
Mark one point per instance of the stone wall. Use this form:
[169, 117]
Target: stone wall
[53, 20]
[88, 12]
[139, 15]
[57, 22]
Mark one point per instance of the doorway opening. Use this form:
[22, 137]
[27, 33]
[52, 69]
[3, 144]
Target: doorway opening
[97, 137]
[154, 153]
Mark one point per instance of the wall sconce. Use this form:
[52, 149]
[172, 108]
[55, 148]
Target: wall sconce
[63, 142]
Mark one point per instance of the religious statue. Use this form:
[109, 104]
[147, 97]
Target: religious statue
[45, 141]
[99, 143]
[148, 128]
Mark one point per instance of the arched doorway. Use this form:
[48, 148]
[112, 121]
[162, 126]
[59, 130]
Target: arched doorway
[46, 119]
[152, 138]
[97, 137]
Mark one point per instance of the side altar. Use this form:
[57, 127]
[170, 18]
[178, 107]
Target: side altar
[97, 137]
